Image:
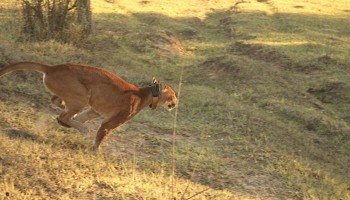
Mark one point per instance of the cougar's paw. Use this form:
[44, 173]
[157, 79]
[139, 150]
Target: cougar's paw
[96, 148]
[62, 123]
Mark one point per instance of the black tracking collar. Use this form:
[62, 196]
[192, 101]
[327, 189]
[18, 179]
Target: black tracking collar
[155, 90]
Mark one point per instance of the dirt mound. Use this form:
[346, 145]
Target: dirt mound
[326, 59]
[310, 68]
[316, 65]
[216, 67]
[333, 92]
[164, 43]
[259, 52]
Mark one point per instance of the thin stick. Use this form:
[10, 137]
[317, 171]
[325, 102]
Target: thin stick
[188, 185]
[124, 167]
[198, 193]
[173, 183]
[134, 166]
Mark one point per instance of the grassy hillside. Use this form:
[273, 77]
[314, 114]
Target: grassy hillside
[264, 109]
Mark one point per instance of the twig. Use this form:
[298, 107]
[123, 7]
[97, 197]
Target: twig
[173, 184]
[188, 185]
[198, 193]
[134, 166]
[125, 169]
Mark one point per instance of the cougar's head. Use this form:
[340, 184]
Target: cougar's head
[163, 95]
[168, 97]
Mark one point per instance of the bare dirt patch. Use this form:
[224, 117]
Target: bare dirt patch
[164, 43]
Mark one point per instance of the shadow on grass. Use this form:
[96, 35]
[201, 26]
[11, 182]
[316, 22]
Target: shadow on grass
[68, 141]
[20, 134]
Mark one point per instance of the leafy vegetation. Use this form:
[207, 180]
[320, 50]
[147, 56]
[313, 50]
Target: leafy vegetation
[62, 20]
[263, 111]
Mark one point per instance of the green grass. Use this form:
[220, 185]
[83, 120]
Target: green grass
[263, 112]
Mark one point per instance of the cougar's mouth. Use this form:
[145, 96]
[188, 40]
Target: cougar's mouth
[171, 106]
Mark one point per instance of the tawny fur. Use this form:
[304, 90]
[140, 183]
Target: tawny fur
[74, 87]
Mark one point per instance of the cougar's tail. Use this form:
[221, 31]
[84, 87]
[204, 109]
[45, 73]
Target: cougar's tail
[25, 66]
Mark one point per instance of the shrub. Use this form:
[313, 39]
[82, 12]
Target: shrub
[63, 20]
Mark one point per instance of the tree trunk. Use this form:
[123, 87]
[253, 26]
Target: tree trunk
[84, 15]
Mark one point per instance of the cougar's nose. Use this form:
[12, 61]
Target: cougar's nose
[172, 105]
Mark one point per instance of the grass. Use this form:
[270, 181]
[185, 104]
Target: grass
[263, 114]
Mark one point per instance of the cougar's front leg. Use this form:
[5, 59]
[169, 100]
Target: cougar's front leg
[107, 127]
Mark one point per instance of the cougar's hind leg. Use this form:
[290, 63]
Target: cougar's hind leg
[62, 123]
[66, 117]
[57, 101]
[86, 115]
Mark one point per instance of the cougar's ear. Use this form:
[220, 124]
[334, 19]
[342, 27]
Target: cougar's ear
[154, 80]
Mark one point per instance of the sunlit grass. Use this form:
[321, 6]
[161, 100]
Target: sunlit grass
[314, 7]
[196, 8]
[52, 163]
[275, 43]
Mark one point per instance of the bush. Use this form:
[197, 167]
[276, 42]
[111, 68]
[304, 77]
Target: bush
[62, 20]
